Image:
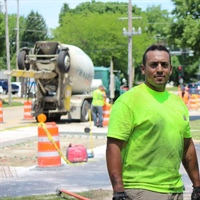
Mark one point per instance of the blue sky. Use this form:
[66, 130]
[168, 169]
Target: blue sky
[50, 9]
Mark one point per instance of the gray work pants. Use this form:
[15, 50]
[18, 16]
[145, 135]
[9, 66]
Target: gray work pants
[139, 194]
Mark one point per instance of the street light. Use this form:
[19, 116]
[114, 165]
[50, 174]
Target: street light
[7, 51]
[131, 31]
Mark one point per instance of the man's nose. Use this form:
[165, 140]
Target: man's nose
[159, 67]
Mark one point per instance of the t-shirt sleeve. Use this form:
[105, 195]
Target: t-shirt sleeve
[187, 133]
[120, 121]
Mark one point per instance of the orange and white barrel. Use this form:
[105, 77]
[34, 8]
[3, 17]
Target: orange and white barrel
[193, 102]
[27, 110]
[48, 156]
[1, 112]
[198, 97]
[106, 114]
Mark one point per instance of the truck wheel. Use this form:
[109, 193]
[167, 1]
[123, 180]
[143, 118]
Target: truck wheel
[55, 118]
[84, 111]
[21, 60]
[63, 61]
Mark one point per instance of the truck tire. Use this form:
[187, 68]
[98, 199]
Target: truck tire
[63, 61]
[21, 60]
[84, 111]
[55, 118]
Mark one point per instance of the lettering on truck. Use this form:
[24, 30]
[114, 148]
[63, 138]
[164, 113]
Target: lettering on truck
[84, 75]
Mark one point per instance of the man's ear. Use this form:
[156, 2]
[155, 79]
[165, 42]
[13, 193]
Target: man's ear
[142, 69]
[171, 70]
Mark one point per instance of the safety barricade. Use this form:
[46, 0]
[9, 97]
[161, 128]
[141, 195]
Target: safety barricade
[106, 114]
[186, 97]
[1, 112]
[193, 102]
[48, 154]
[198, 96]
[27, 110]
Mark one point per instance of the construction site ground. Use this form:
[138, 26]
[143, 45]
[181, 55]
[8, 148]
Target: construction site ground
[25, 153]
[19, 159]
[19, 154]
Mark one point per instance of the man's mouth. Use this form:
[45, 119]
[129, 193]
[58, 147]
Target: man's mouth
[159, 78]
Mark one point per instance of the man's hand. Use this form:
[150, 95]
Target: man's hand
[120, 196]
[195, 193]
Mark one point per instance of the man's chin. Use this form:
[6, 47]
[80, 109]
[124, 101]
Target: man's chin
[160, 82]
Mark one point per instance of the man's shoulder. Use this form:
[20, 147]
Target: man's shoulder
[136, 89]
[132, 94]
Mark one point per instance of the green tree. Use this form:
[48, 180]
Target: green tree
[64, 10]
[3, 43]
[96, 28]
[186, 26]
[35, 29]
[158, 23]
[184, 33]
[12, 40]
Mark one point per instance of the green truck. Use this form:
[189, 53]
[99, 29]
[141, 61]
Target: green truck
[111, 81]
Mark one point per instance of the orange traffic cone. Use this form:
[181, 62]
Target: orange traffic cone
[106, 114]
[27, 110]
[1, 113]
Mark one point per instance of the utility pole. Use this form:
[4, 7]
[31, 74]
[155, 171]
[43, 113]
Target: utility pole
[8, 51]
[17, 36]
[112, 81]
[131, 31]
[130, 58]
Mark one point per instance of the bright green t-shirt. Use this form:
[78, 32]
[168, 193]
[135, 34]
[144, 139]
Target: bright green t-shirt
[154, 125]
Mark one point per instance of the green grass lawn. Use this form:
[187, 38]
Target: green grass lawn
[6, 104]
[14, 102]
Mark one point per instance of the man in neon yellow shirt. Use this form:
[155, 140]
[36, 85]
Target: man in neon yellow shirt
[149, 136]
[98, 97]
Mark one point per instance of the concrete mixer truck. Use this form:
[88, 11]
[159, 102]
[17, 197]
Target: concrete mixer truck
[63, 75]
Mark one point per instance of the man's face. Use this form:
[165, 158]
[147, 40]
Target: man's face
[157, 69]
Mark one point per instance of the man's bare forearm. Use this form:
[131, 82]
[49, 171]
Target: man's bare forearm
[114, 165]
[190, 163]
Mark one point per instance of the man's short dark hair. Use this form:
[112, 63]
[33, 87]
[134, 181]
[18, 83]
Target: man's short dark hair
[155, 47]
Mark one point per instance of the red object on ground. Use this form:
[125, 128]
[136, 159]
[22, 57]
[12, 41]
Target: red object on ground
[72, 194]
[76, 153]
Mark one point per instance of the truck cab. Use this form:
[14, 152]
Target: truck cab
[103, 73]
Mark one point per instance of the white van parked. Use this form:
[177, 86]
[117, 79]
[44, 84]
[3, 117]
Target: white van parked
[18, 84]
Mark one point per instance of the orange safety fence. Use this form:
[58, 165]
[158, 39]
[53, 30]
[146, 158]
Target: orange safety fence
[185, 96]
[193, 103]
[1, 112]
[27, 110]
[198, 101]
[106, 114]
